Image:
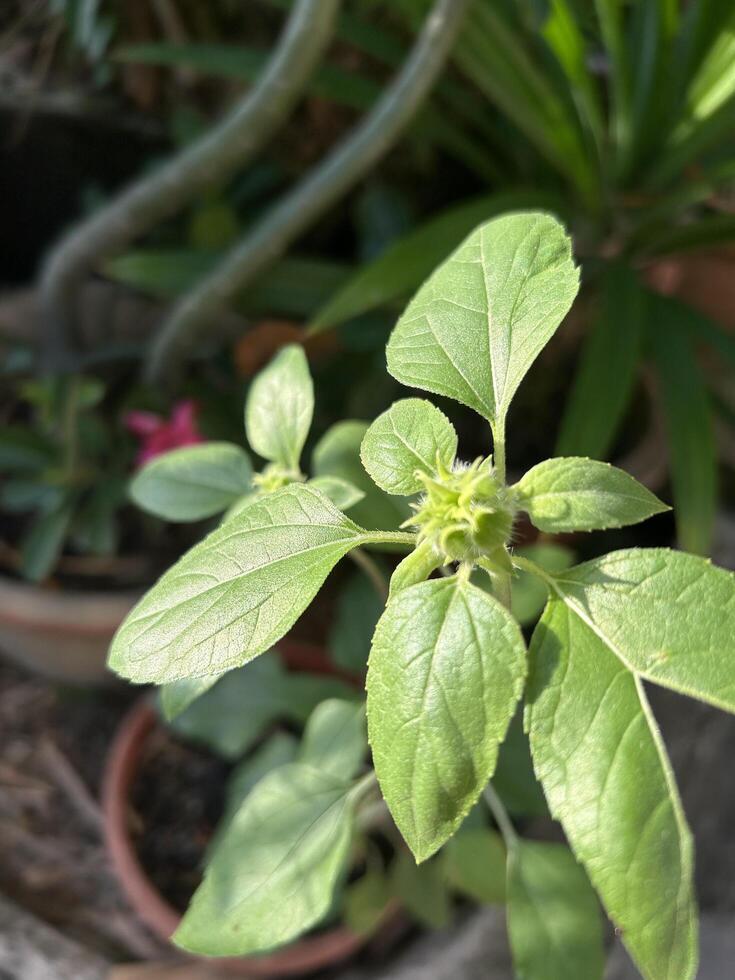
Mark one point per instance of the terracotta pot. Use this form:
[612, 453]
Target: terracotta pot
[62, 635]
[303, 956]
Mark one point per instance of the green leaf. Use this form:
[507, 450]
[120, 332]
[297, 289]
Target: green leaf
[193, 482]
[553, 916]
[423, 890]
[177, 696]
[689, 423]
[578, 494]
[529, 593]
[291, 287]
[231, 715]
[280, 407]
[514, 780]
[23, 451]
[365, 901]
[357, 612]
[43, 543]
[404, 265]
[343, 494]
[416, 567]
[412, 435]
[335, 740]
[603, 765]
[272, 874]
[236, 592]
[435, 718]
[476, 326]
[475, 865]
[604, 381]
[338, 454]
[668, 616]
[279, 750]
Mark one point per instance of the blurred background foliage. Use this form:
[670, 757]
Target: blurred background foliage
[618, 116]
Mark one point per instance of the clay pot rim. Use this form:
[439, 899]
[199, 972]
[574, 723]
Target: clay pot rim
[305, 955]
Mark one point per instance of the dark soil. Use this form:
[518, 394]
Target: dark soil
[177, 800]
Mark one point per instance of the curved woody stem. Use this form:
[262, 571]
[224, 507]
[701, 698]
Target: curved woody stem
[318, 191]
[212, 159]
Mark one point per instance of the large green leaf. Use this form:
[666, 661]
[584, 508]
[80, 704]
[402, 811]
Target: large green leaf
[335, 740]
[238, 591]
[411, 435]
[604, 382]
[445, 674]
[576, 494]
[273, 871]
[193, 482]
[404, 265]
[280, 407]
[668, 616]
[343, 495]
[553, 916]
[476, 326]
[600, 758]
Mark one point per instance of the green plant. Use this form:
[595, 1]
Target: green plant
[619, 116]
[197, 482]
[63, 472]
[449, 667]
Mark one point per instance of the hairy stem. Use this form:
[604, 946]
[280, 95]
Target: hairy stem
[214, 158]
[500, 815]
[372, 570]
[317, 192]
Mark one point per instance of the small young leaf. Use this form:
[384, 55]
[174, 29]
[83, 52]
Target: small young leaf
[445, 674]
[601, 760]
[423, 890]
[553, 916]
[576, 494]
[193, 482]
[273, 872]
[177, 696]
[280, 407]
[412, 435]
[475, 865]
[335, 740]
[236, 592]
[338, 454]
[416, 567]
[475, 327]
[342, 493]
[668, 616]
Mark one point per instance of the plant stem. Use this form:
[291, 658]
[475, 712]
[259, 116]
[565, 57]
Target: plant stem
[317, 192]
[500, 814]
[499, 449]
[389, 537]
[372, 570]
[502, 588]
[211, 160]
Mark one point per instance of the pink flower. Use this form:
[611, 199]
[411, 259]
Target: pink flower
[157, 435]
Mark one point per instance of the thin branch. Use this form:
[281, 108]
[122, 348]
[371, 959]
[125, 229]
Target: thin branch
[317, 192]
[372, 571]
[212, 159]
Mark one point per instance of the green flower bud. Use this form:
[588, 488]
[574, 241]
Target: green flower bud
[466, 513]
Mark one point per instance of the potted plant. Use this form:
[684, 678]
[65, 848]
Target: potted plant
[448, 664]
[71, 561]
